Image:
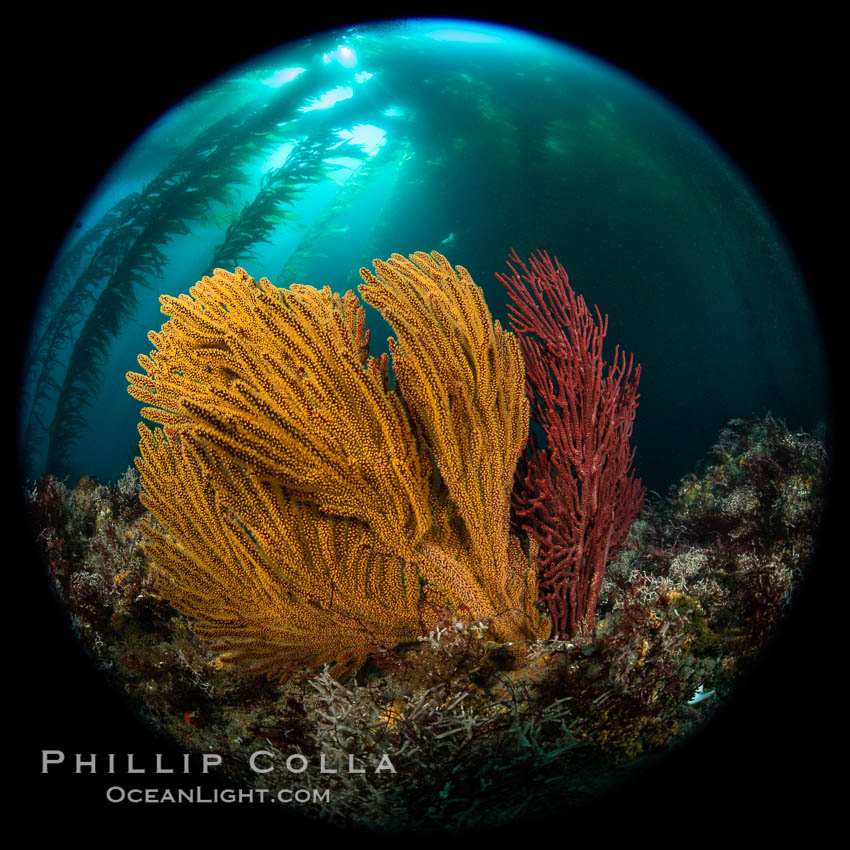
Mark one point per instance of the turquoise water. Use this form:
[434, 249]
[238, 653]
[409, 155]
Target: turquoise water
[466, 138]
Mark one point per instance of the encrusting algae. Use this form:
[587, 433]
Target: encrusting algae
[305, 512]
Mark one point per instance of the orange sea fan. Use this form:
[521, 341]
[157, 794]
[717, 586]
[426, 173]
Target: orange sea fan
[307, 514]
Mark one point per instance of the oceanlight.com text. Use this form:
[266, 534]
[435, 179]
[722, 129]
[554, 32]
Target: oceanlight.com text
[118, 794]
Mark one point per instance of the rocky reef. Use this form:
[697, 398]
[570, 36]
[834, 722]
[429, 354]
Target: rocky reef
[477, 734]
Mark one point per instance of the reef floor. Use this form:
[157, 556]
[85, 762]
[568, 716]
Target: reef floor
[474, 735]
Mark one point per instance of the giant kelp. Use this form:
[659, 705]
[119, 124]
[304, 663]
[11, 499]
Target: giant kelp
[309, 514]
[280, 189]
[64, 309]
[198, 186]
[132, 255]
[335, 219]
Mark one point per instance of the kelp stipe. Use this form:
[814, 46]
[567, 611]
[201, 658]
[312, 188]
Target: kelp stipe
[131, 255]
[279, 189]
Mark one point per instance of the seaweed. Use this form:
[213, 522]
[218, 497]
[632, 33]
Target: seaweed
[131, 256]
[74, 282]
[199, 186]
[281, 188]
[327, 223]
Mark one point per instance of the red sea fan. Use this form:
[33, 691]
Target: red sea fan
[577, 495]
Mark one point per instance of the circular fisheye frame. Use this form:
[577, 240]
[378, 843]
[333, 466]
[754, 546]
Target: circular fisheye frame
[423, 426]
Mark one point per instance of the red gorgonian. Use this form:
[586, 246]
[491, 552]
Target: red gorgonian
[577, 494]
